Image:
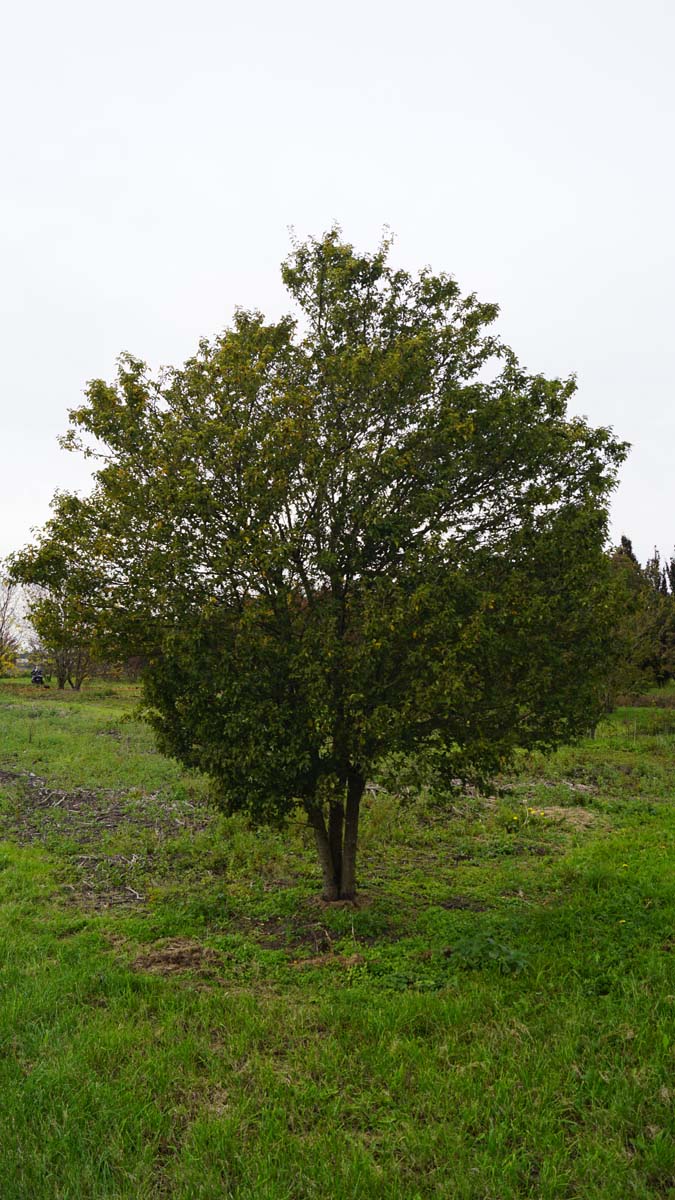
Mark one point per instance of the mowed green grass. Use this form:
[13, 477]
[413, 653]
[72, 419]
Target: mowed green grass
[180, 1017]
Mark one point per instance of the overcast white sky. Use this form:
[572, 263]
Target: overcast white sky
[154, 154]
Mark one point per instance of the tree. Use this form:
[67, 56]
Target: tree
[64, 636]
[63, 595]
[362, 530]
[659, 609]
[645, 621]
[9, 621]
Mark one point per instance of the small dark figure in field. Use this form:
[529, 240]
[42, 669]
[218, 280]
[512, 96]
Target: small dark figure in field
[37, 677]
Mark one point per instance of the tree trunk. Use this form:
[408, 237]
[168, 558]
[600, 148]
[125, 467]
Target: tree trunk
[330, 885]
[336, 821]
[355, 788]
[337, 844]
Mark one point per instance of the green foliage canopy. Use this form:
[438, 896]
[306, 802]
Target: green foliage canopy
[645, 629]
[65, 595]
[9, 621]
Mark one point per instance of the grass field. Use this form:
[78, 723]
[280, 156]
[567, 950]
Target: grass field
[181, 1017]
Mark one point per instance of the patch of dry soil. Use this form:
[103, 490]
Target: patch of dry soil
[179, 955]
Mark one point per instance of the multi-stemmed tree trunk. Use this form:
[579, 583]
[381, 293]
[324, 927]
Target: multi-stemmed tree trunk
[337, 840]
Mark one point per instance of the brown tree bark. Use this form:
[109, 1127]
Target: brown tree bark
[336, 821]
[355, 788]
[330, 885]
[337, 843]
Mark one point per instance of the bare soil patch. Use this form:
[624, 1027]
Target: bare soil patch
[308, 928]
[101, 895]
[44, 810]
[84, 816]
[290, 933]
[9, 776]
[178, 956]
[82, 811]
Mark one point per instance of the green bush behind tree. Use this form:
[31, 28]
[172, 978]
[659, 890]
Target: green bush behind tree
[645, 633]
